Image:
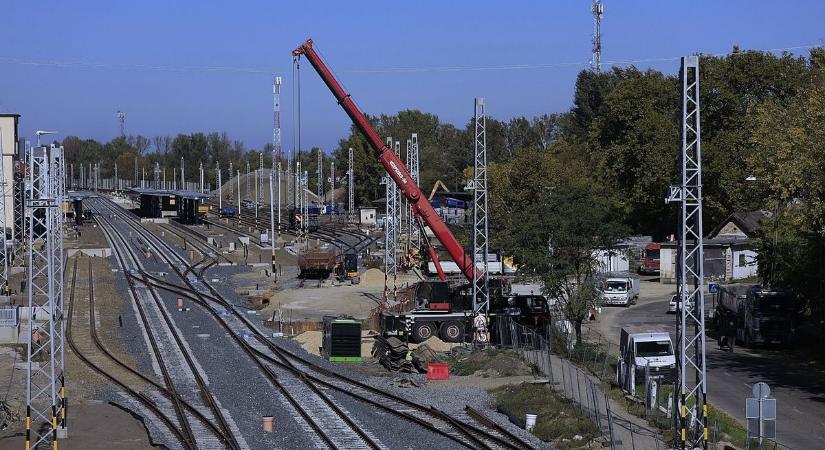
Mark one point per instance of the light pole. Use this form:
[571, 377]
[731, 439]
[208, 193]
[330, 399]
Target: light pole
[41, 133]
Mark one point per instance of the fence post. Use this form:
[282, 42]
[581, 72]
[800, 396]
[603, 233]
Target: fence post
[578, 389]
[609, 422]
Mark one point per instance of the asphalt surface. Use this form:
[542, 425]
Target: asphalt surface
[800, 395]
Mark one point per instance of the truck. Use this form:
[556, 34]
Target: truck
[620, 288]
[650, 262]
[641, 350]
[446, 311]
[760, 315]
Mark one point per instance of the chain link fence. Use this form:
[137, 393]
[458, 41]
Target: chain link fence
[584, 371]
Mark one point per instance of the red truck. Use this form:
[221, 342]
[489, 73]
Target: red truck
[649, 263]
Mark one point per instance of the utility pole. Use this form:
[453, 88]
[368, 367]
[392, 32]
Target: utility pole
[597, 9]
[351, 189]
[136, 171]
[691, 403]
[239, 195]
[117, 180]
[163, 186]
[200, 171]
[481, 293]
[157, 175]
[182, 176]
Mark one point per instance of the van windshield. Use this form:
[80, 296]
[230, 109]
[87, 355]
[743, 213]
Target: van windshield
[616, 286]
[653, 348]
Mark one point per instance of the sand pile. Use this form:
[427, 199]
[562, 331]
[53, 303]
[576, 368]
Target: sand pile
[373, 277]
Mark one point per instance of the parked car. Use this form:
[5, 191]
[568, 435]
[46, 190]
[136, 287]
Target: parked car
[673, 305]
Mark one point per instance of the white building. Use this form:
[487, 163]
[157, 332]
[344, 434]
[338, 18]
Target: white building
[8, 129]
[369, 216]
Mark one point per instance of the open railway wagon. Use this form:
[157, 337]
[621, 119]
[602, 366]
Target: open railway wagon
[316, 264]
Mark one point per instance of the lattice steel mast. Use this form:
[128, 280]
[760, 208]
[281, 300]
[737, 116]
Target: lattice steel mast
[413, 236]
[692, 402]
[390, 232]
[351, 188]
[320, 171]
[276, 143]
[481, 292]
[45, 411]
[598, 11]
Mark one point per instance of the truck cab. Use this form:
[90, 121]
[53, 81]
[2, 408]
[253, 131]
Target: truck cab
[641, 350]
[620, 290]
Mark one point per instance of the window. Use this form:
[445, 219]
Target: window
[742, 262]
[653, 348]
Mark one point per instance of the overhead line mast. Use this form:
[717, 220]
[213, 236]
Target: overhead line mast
[691, 422]
[395, 168]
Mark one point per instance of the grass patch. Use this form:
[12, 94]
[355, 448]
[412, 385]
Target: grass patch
[558, 419]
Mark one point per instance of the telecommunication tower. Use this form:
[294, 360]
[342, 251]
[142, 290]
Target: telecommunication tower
[121, 116]
[481, 293]
[691, 421]
[598, 11]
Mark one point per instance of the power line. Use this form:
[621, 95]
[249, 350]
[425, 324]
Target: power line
[386, 70]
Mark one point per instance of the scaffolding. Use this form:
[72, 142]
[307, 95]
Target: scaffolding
[45, 412]
[691, 422]
[481, 292]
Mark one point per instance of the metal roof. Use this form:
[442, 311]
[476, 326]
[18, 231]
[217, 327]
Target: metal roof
[170, 193]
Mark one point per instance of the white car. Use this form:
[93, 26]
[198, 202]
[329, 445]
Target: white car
[672, 305]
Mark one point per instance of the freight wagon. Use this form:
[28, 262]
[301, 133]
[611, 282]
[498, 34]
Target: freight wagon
[316, 264]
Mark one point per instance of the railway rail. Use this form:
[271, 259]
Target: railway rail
[271, 357]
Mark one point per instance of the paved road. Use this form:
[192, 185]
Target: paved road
[800, 395]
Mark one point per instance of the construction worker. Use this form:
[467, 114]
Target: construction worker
[480, 325]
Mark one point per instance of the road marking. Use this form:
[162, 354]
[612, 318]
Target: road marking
[798, 411]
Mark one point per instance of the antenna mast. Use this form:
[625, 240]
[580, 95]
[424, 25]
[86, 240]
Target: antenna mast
[598, 12]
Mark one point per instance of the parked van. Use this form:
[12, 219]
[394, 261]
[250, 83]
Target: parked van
[641, 350]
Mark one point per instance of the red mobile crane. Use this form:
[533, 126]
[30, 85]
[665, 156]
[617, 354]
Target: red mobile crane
[395, 168]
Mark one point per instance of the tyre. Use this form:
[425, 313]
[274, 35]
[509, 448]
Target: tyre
[452, 331]
[422, 331]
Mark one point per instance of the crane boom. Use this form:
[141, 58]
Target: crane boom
[395, 168]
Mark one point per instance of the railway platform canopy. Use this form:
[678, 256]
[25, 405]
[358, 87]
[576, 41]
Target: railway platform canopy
[163, 203]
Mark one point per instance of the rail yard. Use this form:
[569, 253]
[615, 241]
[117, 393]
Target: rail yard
[362, 279]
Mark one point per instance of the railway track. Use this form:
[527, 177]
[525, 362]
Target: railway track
[178, 425]
[172, 355]
[331, 424]
[271, 357]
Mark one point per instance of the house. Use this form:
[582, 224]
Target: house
[729, 250]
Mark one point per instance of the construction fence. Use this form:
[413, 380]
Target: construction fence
[584, 372]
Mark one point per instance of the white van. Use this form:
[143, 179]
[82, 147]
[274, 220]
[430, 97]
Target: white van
[641, 350]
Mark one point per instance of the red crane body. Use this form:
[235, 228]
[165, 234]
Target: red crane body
[395, 168]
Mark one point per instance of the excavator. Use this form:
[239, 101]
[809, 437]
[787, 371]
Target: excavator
[438, 183]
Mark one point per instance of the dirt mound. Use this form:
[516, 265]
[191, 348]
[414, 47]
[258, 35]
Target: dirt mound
[373, 277]
[437, 345]
[491, 364]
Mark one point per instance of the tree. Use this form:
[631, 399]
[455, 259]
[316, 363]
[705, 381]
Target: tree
[552, 218]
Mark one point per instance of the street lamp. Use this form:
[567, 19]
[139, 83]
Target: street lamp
[41, 133]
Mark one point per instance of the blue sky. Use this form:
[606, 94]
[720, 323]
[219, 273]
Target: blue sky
[106, 49]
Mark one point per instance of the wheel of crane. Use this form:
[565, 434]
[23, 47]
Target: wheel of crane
[451, 331]
[422, 331]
